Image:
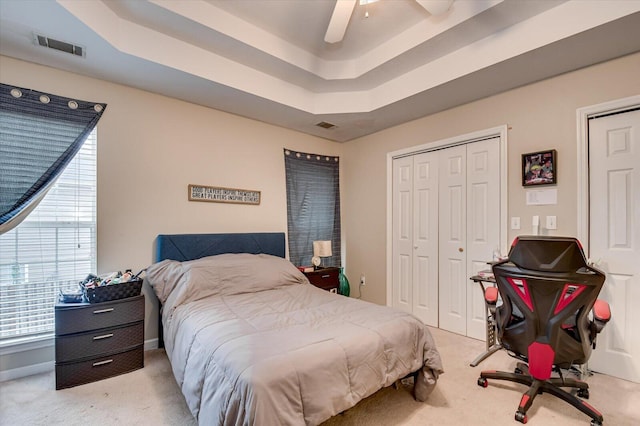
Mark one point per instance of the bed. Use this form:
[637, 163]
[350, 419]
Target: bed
[251, 341]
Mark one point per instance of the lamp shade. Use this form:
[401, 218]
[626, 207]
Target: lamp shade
[322, 248]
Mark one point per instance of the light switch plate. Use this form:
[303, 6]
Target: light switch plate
[515, 222]
[551, 222]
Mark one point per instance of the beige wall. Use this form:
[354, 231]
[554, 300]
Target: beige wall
[540, 116]
[150, 147]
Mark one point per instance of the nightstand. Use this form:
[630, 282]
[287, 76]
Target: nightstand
[98, 340]
[325, 278]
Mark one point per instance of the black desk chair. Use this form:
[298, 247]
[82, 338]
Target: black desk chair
[549, 318]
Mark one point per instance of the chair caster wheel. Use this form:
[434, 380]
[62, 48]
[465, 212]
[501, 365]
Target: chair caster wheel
[482, 382]
[583, 393]
[521, 417]
[518, 371]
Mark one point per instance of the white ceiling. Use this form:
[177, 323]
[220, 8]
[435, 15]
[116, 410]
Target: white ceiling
[267, 59]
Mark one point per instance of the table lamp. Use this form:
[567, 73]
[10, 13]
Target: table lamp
[322, 249]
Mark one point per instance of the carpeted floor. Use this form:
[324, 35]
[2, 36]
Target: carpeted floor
[151, 397]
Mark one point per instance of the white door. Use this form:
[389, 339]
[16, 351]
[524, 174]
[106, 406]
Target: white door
[402, 234]
[614, 238]
[483, 225]
[453, 240]
[425, 237]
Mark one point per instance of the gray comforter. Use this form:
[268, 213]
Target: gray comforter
[252, 342]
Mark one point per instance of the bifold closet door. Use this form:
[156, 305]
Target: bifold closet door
[483, 225]
[453, 240]
[446, 218]
[402, 284]
[469, 231]
[415, 236]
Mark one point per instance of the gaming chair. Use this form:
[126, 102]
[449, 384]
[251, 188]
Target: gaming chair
[549, 317]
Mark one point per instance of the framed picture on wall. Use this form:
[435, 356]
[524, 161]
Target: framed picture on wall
[539, 168]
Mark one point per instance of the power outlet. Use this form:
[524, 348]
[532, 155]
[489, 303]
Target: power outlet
[362, 279]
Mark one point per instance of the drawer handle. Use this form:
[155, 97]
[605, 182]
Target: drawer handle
[98, 364]
[104, 336]
[102, 311]
[326, 276]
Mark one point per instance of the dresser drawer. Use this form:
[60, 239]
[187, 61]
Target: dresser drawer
[78, 373]
[326, 279]
[76, 318]
[99, 342]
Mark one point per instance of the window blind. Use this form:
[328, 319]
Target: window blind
[53, 248]
[313, 205]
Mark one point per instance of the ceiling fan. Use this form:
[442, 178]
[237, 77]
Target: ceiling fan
[344, 9]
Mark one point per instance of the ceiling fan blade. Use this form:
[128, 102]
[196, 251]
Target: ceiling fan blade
[339, 20]
[435, 7]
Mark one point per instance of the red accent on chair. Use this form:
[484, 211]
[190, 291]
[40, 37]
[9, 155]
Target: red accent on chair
[491, 295]
[524, 400]
[569, 294]
[540, 360]
[520, 286]
[601, 310]
[591, 407]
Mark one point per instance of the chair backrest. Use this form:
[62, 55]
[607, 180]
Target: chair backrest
[547, 291]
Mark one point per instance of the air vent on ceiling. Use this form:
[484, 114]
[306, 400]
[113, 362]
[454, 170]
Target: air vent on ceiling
[62, 46]
[325, 125]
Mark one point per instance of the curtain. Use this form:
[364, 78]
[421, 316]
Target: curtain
[39, 135]
[313, 205]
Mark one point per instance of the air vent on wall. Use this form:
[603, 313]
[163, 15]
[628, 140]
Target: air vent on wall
[62, 46]
[325, 125]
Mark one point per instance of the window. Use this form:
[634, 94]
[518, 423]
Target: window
[54, 247]
[313, 205]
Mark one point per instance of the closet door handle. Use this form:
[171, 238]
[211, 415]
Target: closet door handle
[460, 249]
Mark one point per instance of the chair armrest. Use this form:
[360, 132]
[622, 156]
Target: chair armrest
[601, 316]
[601, 311]
[491, 295]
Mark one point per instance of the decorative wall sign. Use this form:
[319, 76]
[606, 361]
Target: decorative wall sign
[215, 194]
[539, 168]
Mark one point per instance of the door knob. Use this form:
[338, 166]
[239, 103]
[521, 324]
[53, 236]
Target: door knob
[460, 249]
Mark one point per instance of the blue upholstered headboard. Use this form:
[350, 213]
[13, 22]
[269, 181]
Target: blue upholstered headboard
[183, 247]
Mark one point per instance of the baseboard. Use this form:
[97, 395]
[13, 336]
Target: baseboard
[45, 367]
[151, 344]
[29, 370]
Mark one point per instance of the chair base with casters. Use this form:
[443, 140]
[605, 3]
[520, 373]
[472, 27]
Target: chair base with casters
[552, 386]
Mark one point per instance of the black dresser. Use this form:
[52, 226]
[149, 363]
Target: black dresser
[99, 340]
[325, 278]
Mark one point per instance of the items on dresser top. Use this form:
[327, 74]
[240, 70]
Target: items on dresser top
[112, 286]
[98, 340]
